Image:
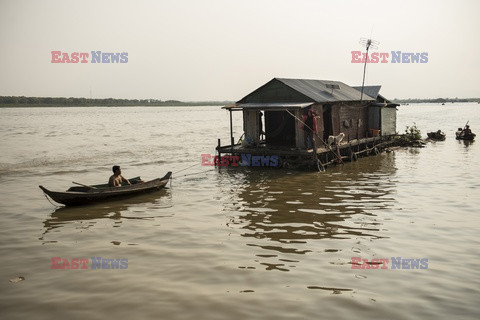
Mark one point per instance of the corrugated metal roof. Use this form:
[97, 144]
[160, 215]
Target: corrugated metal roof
[371, 91]
[317, 90]
[374, 91]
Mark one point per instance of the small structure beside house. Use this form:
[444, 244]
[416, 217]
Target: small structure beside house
[382, 114]
[273, 121]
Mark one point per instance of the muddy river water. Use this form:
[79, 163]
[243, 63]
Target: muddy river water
[235, 243]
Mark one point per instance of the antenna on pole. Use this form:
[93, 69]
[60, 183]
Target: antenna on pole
[367, 43]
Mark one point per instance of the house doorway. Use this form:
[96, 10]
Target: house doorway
[327, 122]
[279, 129]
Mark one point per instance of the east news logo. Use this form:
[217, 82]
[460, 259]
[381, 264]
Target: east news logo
[246, 160]
[392, 57]
[397, 263]
[83, 57]
[97, 263]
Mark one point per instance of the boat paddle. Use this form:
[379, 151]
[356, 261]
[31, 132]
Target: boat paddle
[83, 185]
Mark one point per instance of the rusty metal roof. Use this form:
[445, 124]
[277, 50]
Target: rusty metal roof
[320, 90]
[282, 90]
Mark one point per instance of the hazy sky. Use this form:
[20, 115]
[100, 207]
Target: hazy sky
[223, 49]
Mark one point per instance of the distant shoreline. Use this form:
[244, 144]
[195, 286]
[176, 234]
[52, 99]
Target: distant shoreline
[437, 100]
[43, 102]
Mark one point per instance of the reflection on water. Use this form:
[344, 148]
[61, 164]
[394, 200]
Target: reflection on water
[466, 143]
[240, 243]
[289, 212]
[141, 207]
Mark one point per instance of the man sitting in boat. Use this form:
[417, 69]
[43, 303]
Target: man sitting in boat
[117, 179]
[467, 131]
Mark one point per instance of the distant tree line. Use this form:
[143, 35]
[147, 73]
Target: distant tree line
[436, 100]
[10, 101]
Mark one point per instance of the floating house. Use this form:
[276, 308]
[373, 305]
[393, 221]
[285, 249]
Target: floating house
[273, 120]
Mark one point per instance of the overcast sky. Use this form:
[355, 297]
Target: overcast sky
[195, 50]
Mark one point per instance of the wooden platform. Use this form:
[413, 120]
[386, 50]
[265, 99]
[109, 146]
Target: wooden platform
[309, 159]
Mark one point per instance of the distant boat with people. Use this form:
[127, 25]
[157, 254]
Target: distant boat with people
[465, 133]
[436, 135]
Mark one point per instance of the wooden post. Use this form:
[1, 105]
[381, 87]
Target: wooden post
[232, 141]
[219, 154]
[358, 127]
[299, 133]
[315, 157]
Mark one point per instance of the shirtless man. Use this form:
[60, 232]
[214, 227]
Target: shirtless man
[116, 179]
[467, 130]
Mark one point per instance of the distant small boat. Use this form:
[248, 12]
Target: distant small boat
[465, 134]
[436, 135]
[84, 194]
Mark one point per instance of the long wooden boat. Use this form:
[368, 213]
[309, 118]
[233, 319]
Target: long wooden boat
[81, 195]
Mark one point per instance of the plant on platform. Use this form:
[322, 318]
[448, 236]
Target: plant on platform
[412, 133]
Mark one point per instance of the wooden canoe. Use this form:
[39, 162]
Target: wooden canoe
[76, 196]
[461, 135]
[436, 135]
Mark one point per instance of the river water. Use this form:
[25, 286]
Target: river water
[234, 243]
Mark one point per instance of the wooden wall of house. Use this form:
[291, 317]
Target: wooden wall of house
[336, 128]
[374, 118]
[251, 125]
[352, 120]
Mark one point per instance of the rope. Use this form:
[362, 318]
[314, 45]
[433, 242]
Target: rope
[329, 147]
[196, 164]
[241, 139]
[305, 125]
[53, 204]
[191, 174]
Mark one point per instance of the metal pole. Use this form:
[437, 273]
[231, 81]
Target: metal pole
[364, 68]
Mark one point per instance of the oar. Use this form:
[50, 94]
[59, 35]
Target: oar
[83, 185]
